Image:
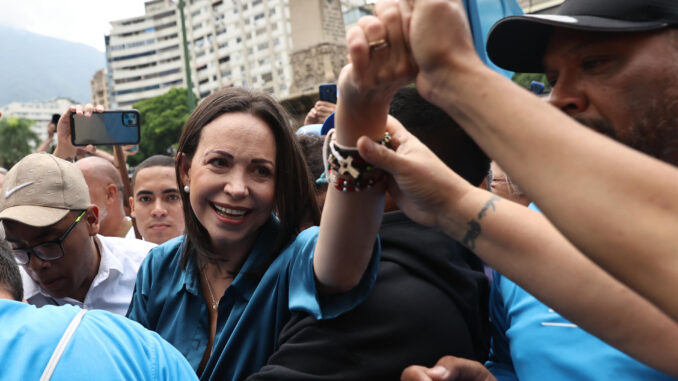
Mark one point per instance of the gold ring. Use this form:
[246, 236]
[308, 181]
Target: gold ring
[378, 44]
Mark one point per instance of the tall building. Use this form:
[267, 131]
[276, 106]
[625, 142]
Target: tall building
[240, 43]
[99, 88]
[39, 112]
[144, 55]
[319, 40]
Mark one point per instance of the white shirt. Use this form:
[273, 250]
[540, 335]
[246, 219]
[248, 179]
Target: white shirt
[112, 287]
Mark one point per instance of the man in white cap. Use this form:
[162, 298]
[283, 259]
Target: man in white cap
[52, 227]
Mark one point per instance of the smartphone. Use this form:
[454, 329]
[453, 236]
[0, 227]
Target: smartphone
[107, 128]
[328, 92]
[55, 118]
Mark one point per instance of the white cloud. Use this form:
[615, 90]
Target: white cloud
[84, 21]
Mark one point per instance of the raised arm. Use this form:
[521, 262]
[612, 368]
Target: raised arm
[351, 219]
[524, 246]
[618, 206]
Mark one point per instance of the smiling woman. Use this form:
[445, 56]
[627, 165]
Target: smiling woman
[222, 291]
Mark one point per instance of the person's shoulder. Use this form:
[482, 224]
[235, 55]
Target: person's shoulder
[126, 245]
[129, 342]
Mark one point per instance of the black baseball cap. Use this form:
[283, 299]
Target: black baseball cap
[518, 43]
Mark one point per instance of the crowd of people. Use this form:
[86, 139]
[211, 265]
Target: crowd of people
[458, 229]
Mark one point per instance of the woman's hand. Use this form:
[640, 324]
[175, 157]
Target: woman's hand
[379, 67]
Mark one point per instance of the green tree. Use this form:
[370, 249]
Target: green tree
[162, 119]
[525, 79]
[16, 140]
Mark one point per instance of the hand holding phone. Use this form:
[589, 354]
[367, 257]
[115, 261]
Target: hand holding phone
[115, 127]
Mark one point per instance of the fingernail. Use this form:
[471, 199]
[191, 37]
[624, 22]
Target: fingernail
[438, 371]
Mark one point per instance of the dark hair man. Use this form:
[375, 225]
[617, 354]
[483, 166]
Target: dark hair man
[52, 228]
[155, 203]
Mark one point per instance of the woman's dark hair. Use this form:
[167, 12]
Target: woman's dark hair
[294, 201]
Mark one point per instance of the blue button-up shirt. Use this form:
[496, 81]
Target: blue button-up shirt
[252, 311]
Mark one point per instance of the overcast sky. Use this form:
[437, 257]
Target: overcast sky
[84, 21]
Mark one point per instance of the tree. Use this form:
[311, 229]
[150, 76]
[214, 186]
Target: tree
[16, 140]
[162, 119]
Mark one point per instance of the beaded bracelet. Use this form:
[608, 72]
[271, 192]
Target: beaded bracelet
[346, 169]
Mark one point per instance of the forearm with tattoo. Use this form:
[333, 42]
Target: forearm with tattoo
[474, 231]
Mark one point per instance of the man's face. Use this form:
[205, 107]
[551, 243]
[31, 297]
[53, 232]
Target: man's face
[622, 85]
[63, 277]
[156, 204]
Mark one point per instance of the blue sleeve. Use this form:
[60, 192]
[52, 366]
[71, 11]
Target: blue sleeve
[137, 310]
[499, 363]
[303, 295]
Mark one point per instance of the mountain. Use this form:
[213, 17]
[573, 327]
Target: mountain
[38, 68]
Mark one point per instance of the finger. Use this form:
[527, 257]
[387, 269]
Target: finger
[379, 155]
[78, 109]
[414, 373]
[403, 62]
[99, 108]
[89, 109]
[406, 9]
[325, 104]
[453, 368]
[358, 50]
[375, 33]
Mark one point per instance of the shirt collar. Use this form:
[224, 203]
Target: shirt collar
[244, 282]
[108, 265]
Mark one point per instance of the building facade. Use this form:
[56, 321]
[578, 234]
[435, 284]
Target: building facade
[99, 88]
[144, 55]
[230, 43]
[39, 112]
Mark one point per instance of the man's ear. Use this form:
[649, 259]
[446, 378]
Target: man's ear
[111, 192]
[92, 219]
[184, 163]
[131, 207]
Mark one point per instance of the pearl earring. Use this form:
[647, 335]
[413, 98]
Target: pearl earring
[187, 189]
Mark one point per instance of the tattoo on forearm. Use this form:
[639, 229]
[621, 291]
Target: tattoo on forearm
[471, 235]
[489, 204]
[474, 231]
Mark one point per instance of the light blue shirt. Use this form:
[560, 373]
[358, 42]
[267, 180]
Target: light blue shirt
[104, 347]
[533, 342]
[252, 312]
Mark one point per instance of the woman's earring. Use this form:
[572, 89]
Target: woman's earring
[187, 189]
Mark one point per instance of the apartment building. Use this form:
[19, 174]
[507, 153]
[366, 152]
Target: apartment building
[144, 55]
[238, 43]
[39, 112]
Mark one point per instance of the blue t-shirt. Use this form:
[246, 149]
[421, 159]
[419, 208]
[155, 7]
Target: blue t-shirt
[168, 300]
[533, 342]
[104, 347]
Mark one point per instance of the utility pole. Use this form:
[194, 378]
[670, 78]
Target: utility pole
[187, 65]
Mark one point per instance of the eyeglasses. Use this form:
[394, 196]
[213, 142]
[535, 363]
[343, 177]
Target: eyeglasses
[46, 251]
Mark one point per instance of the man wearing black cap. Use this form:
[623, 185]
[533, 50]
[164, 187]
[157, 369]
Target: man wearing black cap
[613, 66]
